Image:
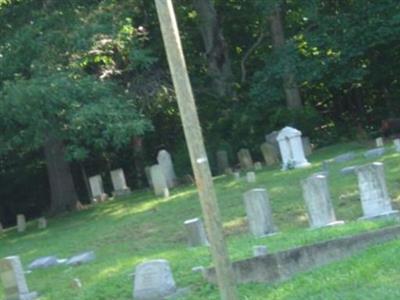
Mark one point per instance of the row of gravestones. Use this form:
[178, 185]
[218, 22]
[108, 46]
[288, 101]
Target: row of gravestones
[21, 223]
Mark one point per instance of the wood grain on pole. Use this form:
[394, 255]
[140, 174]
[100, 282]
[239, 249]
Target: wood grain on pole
[198, 156]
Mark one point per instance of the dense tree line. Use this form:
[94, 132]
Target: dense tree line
[85, 88]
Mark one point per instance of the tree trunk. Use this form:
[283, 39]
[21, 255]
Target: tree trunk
[293, 99]
[219, 65]
[62, 190]
[137, 143]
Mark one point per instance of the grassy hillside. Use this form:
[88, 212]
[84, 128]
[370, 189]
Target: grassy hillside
[126, 232]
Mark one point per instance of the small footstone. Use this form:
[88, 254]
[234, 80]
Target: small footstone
[260, 251]
[81, 258]
[236, 175]
[43, 262]
[257, 166]
[153, 281]
[42, 223]
[251, 177]
[196, 233]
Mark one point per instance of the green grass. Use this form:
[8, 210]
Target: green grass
[126, 232]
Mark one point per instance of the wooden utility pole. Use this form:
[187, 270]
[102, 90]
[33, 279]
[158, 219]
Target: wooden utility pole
[198, 156]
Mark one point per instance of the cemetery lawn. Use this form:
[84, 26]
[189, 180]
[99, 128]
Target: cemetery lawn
[125, 232]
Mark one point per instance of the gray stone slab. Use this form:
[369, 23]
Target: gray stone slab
[270, 154]
[196, 233]
[81, 258]
[374, 153]
[245, 160]
[165, 161]
[21, 223]
[251, 177]
[44, 262]
[345, 157]
[351, 170]
[260, 250]
[222, 161]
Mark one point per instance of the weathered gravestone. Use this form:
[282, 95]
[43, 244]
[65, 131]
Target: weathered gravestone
[196, 233]
[160, 185]
[42, 223]
[13, 280]
[318, 202]
[81, 258]
[251, 177]
[165, 161]
[153, 281]
[148, 176]
[257, 166]
[396, 143]
[306, 146]
[270, 138]
[222, 161]
[245, 160]
[96, 186]
[236, 175]
[374, 153]
[260, 250]
[270, 154]
[44, 262]
[259, 213]
[348, 170]
[375, 200]
[379, 142]
[119, 183]
[291, 147]
[345, 157]
[21, 223]
[1, 228]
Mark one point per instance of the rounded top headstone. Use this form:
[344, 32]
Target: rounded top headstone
[288, 132]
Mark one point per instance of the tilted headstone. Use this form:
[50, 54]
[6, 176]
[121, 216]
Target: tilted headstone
[44, 262]
[165, 161]
[196, 233]
[374, 153]
[119, 183]
[251, 177]
[396, 143]
[160, 185]
[222, 161]
[318, 201]
[257, 166]
[270, 154]
[245, 160]
[259, 213]
[13, 280]
[96, 186]
[375, 200]
[291, 147]
[148, 176]
[270, 138]
[345, 157]
[153, 281]
[42, 223]
[307, 146]
[260, 250]
[21, 223]
[379, 142]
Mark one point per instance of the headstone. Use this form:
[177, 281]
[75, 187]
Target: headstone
[345, 157]
[270, 138]
[379, 142]
[153, 281]
[396, 143]
[229, 171]
[160, 185]
[375, 200]
[196, 233]
[148, 176]
[260, 251]
[270, 154]
[1, 228]
[81, 258]
[43, 262]
[165, 161]
[21, 223]
[245, 160]
[259, 213]
[307, 146]
[42, 223]
[318, 202]
[348, 170]
[251, 177]
[257, 166]
[222, 161]
[374, 153]
[96, 186]
[236, 175]
[119, 183]
[13, 280]
[291, 147]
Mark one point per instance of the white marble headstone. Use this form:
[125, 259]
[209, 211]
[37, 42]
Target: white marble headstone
[153, 280]
[158, 180]
[118, 180]
[96, 186]
[291, 148]
[165, 161]
[21, 223]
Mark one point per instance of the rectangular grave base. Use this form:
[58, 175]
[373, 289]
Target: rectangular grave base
[122, 193]
[390, 215]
